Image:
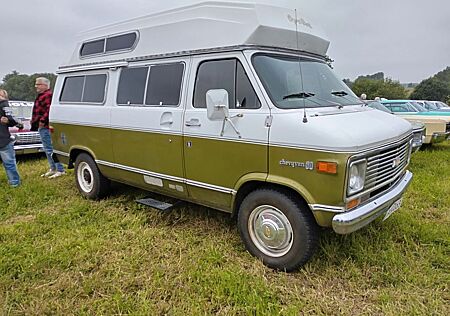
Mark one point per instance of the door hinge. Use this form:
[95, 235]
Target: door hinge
[269, 121]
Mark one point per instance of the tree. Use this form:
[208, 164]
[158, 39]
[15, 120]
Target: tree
[21, 87]
[386, 88]
[375, 76]
[436, 88]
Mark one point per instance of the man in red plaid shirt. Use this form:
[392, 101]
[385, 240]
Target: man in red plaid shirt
[40, 121]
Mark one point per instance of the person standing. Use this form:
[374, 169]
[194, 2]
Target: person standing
[40, 119]
[7, 152]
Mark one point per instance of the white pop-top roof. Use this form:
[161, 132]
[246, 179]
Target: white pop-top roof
[210, 25]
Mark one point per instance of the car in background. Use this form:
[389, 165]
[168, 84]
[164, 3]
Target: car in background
[432, 106]
[441, 105]
[419, 129]
[437, 126]
[25, 140]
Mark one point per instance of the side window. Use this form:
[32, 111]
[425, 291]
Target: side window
[132, 86]
[120, 42]
[164, 85]
[72, 90]
[85, 89]
[246, 97]
[94, 89]
[109, 44]
[93, 47]
[228, 74]
[217, 74]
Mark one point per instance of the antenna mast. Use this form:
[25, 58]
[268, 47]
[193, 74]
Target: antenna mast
[305, 119]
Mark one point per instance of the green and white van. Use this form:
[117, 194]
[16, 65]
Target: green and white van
[235, 107]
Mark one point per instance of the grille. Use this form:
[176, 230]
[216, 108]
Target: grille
[386, 166]
[28, 138]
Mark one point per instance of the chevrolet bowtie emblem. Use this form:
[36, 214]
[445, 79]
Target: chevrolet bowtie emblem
[396, 162]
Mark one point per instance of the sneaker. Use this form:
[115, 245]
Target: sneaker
[57, 174]
[48, 173]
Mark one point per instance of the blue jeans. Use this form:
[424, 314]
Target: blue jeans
[8, 156]
[48, 148]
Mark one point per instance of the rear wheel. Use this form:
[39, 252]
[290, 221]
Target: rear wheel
[90, 182]
[278, 229]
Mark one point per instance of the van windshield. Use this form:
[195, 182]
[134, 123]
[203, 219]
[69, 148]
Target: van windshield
[294, 83]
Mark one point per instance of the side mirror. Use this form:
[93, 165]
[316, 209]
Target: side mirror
[217, 104]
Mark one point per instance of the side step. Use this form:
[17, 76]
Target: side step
[159, 205]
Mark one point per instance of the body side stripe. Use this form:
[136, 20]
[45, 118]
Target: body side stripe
[168, 177]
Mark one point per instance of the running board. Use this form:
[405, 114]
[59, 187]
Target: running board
[159, 205]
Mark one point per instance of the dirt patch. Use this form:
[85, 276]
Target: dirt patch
[20, 219]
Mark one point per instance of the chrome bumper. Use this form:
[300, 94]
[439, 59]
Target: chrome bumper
[439, 137]
[28, 149]
[361, 216]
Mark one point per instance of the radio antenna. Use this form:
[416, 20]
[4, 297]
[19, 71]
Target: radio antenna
[305, 119]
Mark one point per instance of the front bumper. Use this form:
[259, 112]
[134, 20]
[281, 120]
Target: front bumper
[361, 216]
[439, 137]
[28, 149]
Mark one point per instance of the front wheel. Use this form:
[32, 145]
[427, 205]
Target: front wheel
[278, 229]
[90, 182]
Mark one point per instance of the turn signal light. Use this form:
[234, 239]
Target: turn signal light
[327, 167]
[353, 203]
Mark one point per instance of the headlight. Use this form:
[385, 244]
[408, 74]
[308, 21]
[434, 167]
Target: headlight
[356, 176]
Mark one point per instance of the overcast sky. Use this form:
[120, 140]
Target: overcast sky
[409, 40]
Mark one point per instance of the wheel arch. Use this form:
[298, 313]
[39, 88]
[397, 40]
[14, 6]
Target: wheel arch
[75, 152]
[284, 185]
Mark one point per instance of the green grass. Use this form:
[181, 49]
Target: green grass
[61, 254]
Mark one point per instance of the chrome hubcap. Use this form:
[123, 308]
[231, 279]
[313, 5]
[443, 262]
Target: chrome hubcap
[270, 231]
[85, 177]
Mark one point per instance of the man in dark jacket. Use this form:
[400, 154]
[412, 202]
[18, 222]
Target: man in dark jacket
[7, 152]
[41, 110]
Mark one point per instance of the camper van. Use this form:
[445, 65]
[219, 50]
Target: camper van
[235, 107]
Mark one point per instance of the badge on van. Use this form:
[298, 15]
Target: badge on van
[309, 165]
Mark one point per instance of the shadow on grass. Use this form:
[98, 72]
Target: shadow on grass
[181, 214]
[445, 146]
[30, 157]
[332, 251]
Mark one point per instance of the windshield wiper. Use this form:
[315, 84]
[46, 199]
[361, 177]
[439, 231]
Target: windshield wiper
[300, 95]
[305, 95]
[341, 93]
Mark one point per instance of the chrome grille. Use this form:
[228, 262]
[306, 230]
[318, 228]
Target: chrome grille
[387, 165]
[384, 167]
[28, 138]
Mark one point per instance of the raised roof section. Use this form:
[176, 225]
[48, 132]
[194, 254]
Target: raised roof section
[209, 25]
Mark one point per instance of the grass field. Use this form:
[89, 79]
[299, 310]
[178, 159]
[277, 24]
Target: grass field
[61, 254]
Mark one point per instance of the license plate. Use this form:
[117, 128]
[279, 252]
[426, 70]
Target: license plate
[393, 208]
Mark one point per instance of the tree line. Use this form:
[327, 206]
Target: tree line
[20, 87]
[436, 88]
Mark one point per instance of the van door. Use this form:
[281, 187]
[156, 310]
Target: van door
[217, 156]
[147, 127]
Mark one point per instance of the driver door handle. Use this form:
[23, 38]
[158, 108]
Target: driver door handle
[193, 122]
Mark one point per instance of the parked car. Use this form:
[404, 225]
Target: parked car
[437, 126]
[25, 141]
[441, 105]
[431, 106]
[418, 127]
